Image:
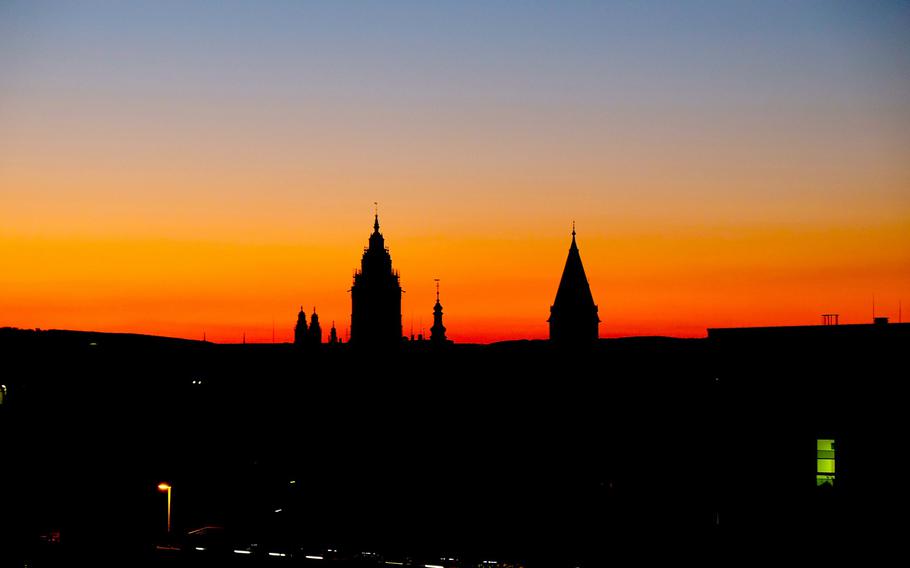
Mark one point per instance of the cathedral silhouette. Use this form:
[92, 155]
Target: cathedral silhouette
[376, 304]
[376, 297]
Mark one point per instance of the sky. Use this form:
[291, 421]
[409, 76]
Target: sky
[185, 168]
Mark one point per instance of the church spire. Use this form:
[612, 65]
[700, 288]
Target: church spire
[377, 242]
[573, 315]
[438, 331]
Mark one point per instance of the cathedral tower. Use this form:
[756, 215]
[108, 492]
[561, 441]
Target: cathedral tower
[376, 297]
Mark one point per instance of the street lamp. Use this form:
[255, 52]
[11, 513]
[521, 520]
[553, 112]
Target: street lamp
[167, 487]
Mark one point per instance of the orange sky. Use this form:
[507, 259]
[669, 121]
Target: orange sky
[166, 179]
[671, 281]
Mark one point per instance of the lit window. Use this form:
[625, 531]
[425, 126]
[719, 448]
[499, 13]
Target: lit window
[824, 462]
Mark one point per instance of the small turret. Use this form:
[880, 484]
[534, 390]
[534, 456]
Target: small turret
[315, 330]
[300, 330]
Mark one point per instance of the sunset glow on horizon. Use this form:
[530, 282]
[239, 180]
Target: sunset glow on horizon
[210, 172]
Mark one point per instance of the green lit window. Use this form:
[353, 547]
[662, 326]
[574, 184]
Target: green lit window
[824, 462]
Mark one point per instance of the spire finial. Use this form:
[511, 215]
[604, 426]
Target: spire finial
[437, 288]
[573, 228]
[376, 216]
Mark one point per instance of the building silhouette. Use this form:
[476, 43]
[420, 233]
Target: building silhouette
[300, 330]
[573, 315]
[307, 334]
[376, 296]
[438, 331]
[315, 334]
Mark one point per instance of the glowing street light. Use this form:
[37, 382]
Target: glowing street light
[167, 487]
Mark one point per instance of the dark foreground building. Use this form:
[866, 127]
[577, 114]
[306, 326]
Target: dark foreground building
[808, 425]
[376, 297]
[519, 453]
[573, 315]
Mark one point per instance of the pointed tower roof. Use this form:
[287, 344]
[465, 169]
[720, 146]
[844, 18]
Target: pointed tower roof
[377, 242]
[574, 291]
